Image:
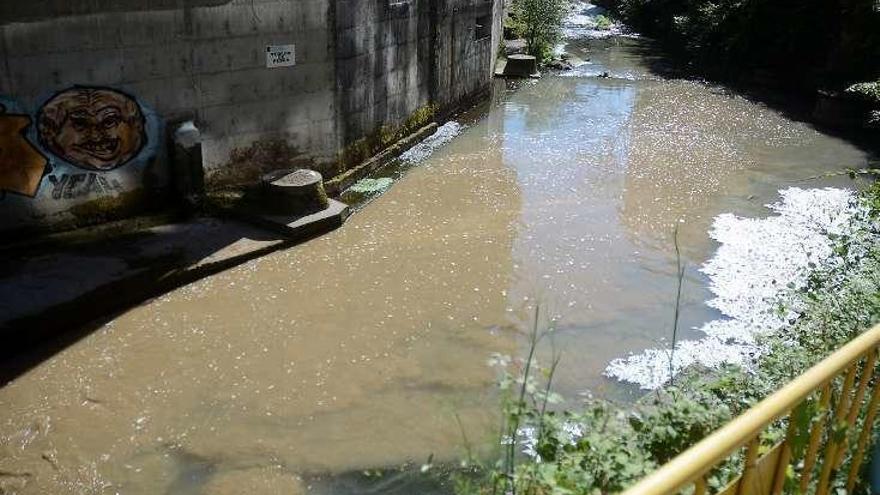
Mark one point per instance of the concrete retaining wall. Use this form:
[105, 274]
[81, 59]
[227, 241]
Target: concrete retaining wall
[88, 88]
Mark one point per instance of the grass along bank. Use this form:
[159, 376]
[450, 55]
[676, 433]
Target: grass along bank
[601, 447]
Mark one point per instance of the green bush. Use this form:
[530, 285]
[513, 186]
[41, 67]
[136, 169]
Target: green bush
[603, 23]
[539, 22]
[866, 91]
[672, 421]
[806, 43]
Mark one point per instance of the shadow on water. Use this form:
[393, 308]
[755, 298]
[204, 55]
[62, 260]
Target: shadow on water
[793, 103]
[406, 480]
[192, 474]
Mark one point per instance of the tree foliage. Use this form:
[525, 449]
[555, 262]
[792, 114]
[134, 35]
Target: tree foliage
[805, 43]
[539, 22]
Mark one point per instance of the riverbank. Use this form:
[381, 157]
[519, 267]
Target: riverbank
[810, 287]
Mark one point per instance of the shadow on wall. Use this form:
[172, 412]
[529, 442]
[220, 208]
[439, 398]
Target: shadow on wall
[52, 291]
[35, 10]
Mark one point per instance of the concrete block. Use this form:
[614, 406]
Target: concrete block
[314, 14]
[297, 192]
[301, 227]
[221, 55]
[150, 28]
[38, 75]
[354, 72]
[243, 86]
[64, 35]
[170, 97]
[320, 106]
[244, 19]
[311, 47]
[154, 62]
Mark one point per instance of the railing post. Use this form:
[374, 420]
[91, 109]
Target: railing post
[784, 456]
[865, 434]
[700, 486]
[748, 475]
[815, 438]
[856, 406]
[833, 444]
[770, 470]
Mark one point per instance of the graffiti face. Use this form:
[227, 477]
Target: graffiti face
[93, 128]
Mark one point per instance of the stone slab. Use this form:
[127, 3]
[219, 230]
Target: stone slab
[302, 227]
[519, 65]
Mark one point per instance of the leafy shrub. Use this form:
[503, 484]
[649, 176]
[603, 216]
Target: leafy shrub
[604, 454]
[874, 119]
[866, 91]
[603, 23]
[672, 421]
[539, 22]
[809, 44]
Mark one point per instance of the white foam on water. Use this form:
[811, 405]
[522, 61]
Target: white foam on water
[754, 275]
[584, 71]
[444, 134]
[582, 21]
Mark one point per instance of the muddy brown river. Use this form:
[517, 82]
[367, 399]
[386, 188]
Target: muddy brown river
[359, 349]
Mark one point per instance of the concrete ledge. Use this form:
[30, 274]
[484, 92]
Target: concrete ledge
[517, 67]
[343, 181]
[299, 227]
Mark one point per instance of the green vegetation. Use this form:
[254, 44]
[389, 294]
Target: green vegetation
[603, 23]
[370, 185]
[867, 91]
[804, 44]
[539, 22]
[387, 135]
[603, 448]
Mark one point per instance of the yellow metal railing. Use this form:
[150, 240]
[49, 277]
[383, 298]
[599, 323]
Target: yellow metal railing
[843, 416]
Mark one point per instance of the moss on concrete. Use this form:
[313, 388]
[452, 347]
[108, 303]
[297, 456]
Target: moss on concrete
[365, 147]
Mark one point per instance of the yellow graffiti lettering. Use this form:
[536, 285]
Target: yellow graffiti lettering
[21, 165]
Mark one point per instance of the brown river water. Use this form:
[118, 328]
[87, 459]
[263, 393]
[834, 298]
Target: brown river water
[360, 349]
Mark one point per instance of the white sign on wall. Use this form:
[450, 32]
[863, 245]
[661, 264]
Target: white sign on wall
[280, 56]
